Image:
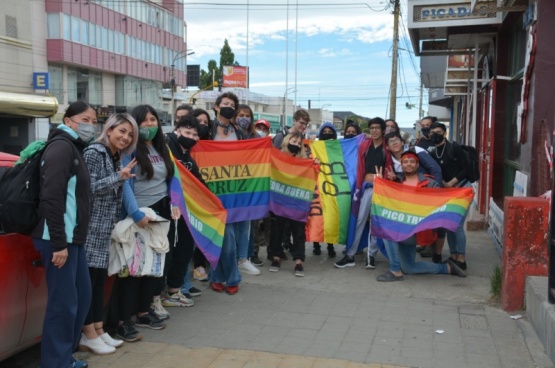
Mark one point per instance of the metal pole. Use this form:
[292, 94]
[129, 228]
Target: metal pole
[420, 112]
[286, 68]
[393, 97]
[472, 140]
[296, 46]
[172, 107]
[247, 95]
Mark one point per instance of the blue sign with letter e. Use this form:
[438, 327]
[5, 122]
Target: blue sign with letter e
[41, 81]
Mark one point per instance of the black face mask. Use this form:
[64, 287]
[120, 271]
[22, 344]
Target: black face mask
[202, 131]
[186, 142]
[293, 149]
[436, 138]
[326, 136]
[425, 132]
[347, 136]
[227, 112]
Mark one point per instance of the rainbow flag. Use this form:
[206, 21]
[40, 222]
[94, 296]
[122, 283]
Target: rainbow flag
[291, 185]
[238, 173]
[399, 211]
[203, 212]
[336, 180]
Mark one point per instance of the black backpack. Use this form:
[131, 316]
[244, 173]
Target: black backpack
[19, 194]
[472, 162]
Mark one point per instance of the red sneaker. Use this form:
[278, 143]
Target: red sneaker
[217, 287]
[232, 290]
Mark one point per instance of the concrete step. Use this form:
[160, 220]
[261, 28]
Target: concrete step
[541, 313]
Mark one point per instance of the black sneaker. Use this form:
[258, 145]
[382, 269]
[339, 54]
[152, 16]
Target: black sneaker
[274, 267]
[194, 292]
[436, 258]
[462, 265]
[371, 262]
[256, 261]
[299, 270]
[455, 269]
[127, 332]
[420, 248]
[316, 250]
[150, 321]
[345, 262]
[331, 251]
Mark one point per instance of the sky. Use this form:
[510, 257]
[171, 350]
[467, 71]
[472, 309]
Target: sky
[337, 53]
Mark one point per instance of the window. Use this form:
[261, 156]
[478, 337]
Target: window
[53, 26]
[56, 85]
[92, 34]
[84, 32]
[120, 44]
[105, 44]
[99, 43]
[75, 30]
[11, 26]
[67, 27]
[111, 41]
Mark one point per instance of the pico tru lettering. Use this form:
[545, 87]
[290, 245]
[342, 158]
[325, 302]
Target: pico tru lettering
[407, 219]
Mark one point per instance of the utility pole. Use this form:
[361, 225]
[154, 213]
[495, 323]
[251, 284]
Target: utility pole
[420, 114]
[393, 96]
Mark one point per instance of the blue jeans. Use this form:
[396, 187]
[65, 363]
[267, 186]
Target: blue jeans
[402, 256]
[69, 300]
[457, 239]
[187, 284]
[242, 234]
[227, 271]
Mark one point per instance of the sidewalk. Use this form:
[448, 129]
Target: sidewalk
[339, 318]
[347, 316]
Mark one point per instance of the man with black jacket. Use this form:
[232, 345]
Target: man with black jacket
[454, 168]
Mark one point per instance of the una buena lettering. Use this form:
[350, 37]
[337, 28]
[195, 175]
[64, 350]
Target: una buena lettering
[290, 191]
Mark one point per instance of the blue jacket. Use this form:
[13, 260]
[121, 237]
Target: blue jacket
[327, 125]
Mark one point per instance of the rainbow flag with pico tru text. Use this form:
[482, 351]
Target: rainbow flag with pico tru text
[331, 208]
[202, 210]
[400, 211]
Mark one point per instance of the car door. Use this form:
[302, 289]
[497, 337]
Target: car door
[37, 293]
[13, 288]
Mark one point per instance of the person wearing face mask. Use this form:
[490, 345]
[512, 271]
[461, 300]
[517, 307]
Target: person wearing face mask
[227, 270]
[352, 129]
[292, 145]
[452, 160]
[262, 128]
[327, 132]
[424, 141]
[177, 261]
[243, 119]
[61, 233]
[204, 124]
[148, 188]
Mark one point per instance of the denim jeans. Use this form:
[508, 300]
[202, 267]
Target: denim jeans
[187, 284]
[67, 305]
[227, 271]
[457, 239]
[402, 256]
[242, 234]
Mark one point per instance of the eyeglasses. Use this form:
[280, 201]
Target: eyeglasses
[375, 128]
[303, 123]
[393, 140]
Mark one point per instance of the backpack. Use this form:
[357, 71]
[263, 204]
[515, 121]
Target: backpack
[472, 162]
[19, 193]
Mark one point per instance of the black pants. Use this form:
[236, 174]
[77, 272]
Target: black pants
[179, 256]
[199, 260]
[299, 237]
[98, 280]
[135, 295]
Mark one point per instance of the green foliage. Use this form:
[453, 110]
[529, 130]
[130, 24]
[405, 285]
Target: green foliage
[227, 57]
[495, 283]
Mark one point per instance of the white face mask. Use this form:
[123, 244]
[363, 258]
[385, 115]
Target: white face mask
[261, 133]
[85, 131]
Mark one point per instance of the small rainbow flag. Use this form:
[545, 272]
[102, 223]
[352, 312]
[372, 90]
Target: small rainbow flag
[238, 173]
[336, 180]
[202, 210]
[399, 211]
[291, 185]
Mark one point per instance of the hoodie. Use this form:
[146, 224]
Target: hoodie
[327, 125]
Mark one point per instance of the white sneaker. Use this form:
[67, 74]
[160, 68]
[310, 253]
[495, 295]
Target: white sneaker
[177, 299]
[200, 274]
[110, 341]
[97, 346]
[248, 268]
[158, 310]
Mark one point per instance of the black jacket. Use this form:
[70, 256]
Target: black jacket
[183, 157]
[65, 194]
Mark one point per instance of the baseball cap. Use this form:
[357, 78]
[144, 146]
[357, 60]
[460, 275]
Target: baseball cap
[264, 122]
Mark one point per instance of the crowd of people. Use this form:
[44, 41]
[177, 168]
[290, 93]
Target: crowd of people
[119, 183]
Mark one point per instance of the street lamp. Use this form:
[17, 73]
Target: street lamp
[179, 55]
[324, 106]
[287, 91]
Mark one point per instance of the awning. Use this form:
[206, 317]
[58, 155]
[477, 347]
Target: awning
[22, 104]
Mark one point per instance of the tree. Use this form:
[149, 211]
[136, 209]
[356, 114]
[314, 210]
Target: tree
[227, 57]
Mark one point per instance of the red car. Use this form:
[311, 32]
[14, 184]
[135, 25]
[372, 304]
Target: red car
[22, 286]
